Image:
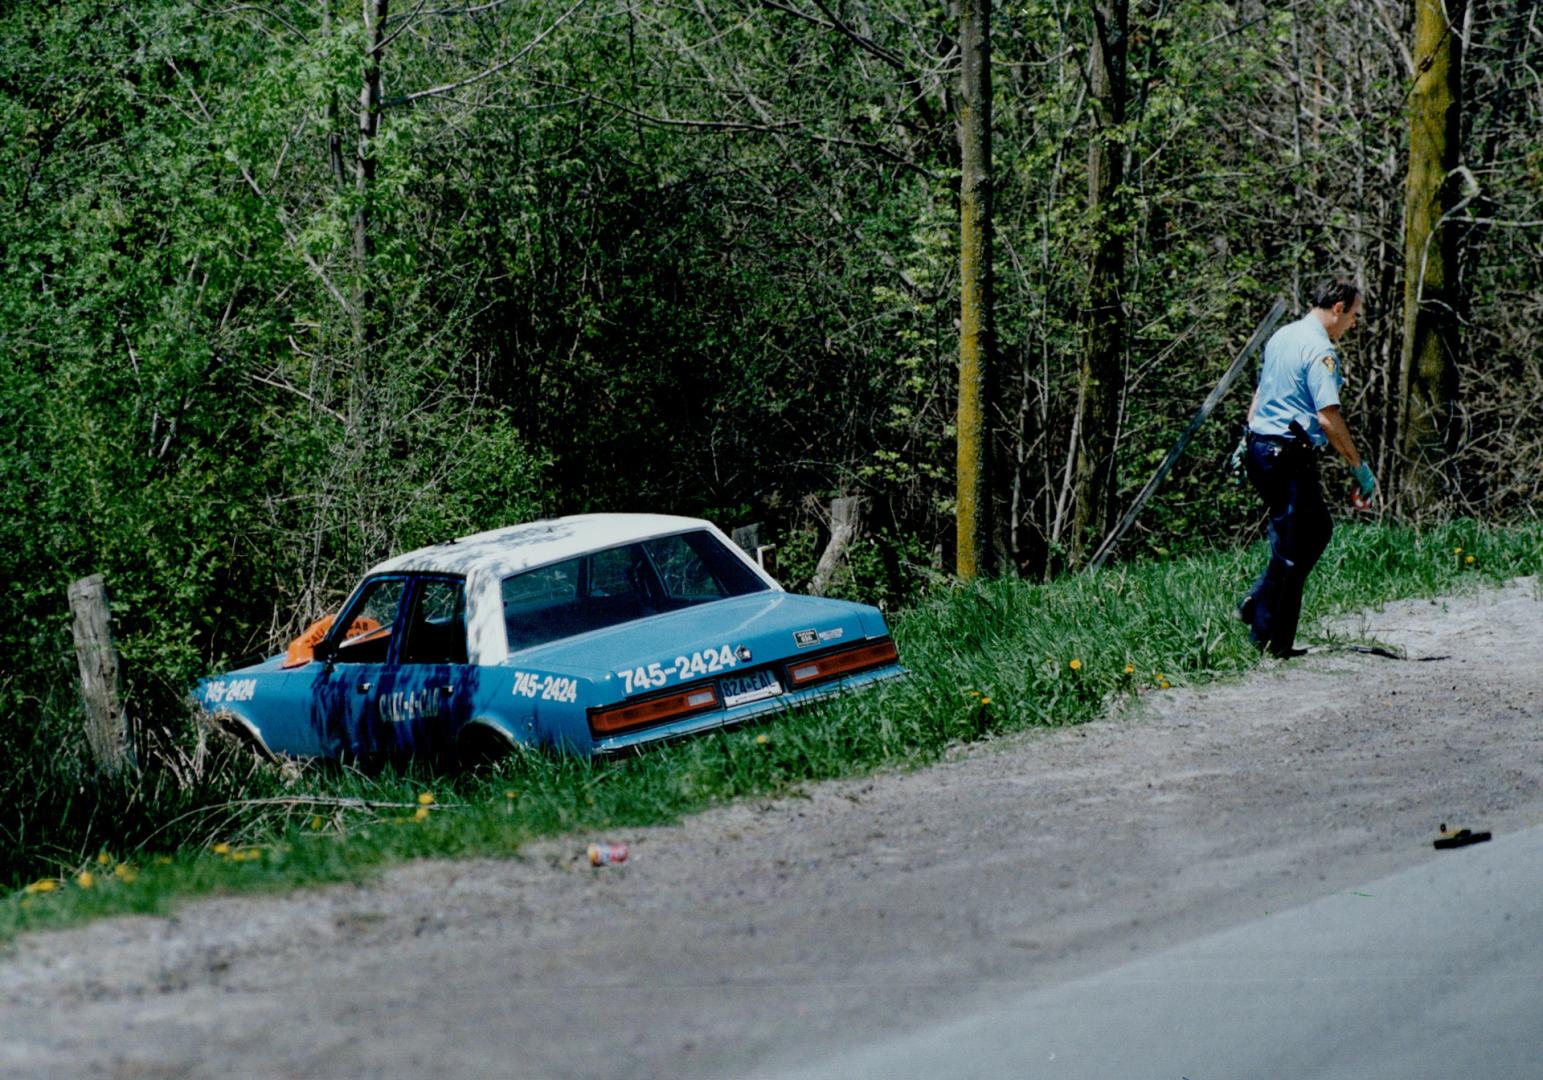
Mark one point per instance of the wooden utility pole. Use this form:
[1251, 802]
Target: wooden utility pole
[1101, 380]
[973, 498]
[1428, 365]
[107, 726]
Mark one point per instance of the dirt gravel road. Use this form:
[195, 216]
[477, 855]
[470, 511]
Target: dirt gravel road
[763, 935]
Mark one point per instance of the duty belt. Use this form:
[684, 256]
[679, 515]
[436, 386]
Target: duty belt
[1289, 442]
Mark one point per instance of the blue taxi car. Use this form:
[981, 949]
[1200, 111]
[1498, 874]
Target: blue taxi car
[591, 634]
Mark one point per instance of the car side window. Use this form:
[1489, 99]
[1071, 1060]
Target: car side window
[536, 601]
[436, 627]
[370, 622]
[543, 585]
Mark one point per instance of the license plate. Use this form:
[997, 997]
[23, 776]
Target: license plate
[739, 689]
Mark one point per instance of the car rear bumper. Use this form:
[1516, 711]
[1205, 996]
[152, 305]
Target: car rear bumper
[725, 718]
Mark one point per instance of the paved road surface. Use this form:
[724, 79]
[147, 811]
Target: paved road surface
[1434, 973]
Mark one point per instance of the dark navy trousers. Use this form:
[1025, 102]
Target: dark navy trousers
[1286, 476]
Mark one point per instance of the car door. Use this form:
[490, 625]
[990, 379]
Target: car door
[365, 641]
[428, 693]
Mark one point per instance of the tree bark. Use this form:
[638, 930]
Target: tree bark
[1101, 378]
[1428, 366]
[334, 134]
[375, 12]
[973, 500]
[107, 725]
[843, 530]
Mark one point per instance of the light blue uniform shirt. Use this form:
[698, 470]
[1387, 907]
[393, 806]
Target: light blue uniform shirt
[1301, 375]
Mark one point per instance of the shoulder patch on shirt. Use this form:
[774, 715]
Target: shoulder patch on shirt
[1328, 362]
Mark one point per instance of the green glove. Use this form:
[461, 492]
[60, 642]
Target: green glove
[1235, 462]
[1363, 477]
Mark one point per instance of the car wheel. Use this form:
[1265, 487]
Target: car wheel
[481, 747]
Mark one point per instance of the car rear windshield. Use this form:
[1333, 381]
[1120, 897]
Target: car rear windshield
[620, 584]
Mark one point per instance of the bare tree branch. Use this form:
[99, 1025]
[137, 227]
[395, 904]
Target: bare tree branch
[434, 91]
[407, 21]
[866, 44]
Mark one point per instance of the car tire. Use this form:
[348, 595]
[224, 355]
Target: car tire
[480, 747]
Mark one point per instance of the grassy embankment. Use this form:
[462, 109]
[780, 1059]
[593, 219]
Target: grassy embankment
[996, 657]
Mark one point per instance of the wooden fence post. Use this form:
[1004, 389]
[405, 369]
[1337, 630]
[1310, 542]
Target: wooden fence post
[843, 530]
[107, 725]
[748, 537]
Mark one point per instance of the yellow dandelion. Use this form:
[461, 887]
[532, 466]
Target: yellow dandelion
[163, 860]
[46, 885]
[103, 859]
[985, 701]
[762, 740]
[426, 799]
[221, 849]
[1130, 669]
[421, 814]
[1163, 685]
[511, 794]
[1457, 551]
[84, 879]
[1075, 665]
[1469, 560]
[125, 873]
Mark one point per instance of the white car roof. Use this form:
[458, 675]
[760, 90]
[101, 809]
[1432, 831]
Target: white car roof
[518, 547]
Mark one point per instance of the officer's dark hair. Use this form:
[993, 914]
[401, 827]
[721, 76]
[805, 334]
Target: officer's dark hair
[1328, 294]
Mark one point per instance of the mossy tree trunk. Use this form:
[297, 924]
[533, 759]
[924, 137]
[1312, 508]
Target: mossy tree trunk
[973, 507]
[1101, 378]
[1428, 369]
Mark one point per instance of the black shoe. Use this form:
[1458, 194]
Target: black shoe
[1287, 654]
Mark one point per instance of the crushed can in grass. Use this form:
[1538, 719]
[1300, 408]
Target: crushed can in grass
[607, 854]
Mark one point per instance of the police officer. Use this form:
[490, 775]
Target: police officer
[1294, 415]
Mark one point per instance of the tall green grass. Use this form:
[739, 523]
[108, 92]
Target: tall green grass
[991, 657]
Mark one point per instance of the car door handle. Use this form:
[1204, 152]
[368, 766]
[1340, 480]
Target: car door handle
[364, 687]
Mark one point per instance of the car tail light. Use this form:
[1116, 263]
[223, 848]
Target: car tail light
[802, 673]
[652, 711]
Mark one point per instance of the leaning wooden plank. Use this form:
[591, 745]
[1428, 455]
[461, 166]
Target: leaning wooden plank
[1261, 332]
